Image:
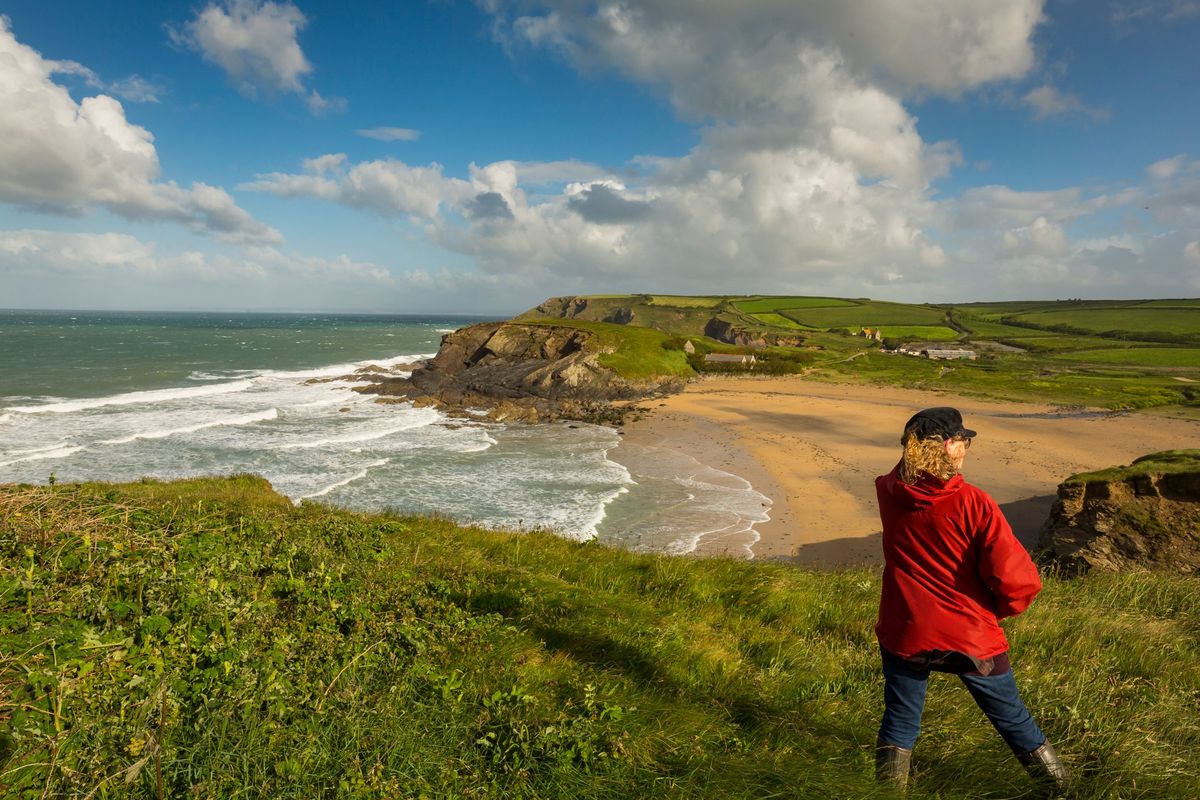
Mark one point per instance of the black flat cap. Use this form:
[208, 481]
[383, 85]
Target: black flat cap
[941, 422]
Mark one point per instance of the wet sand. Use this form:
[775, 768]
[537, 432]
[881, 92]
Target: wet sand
[815, 449]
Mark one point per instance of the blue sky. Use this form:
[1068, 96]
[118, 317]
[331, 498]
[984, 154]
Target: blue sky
[480, 156]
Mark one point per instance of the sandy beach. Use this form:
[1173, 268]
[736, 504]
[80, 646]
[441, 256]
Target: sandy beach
[815, 449]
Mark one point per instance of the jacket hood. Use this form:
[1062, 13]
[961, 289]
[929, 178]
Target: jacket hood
[925, 493]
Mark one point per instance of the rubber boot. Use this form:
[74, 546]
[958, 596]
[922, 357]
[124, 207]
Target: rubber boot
[892, 764]
[1044, 766]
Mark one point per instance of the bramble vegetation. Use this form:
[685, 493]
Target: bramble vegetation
[205, 638]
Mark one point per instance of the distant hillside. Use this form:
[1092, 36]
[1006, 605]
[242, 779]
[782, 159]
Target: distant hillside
[207, 639]
[1110, 354]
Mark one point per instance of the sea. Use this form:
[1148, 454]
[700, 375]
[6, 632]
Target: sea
[118, 396]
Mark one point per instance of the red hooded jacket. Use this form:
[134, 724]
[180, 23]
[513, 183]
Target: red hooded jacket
[952, 568]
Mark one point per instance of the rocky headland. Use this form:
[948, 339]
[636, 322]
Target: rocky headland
[1142, 516]
[517, 372]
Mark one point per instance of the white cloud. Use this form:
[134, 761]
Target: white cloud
[714, 58]
[1048, 101]
[44, 269]
[1043, 239]
[388, 187]
[1168, 167]
[810, 174]
[62, 156]
[134, 88]
[1124, 11]
[1191, 251]
[255, 43]
[390, 134]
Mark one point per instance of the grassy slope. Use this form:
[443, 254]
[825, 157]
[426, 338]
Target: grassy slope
[1165, 463]
[207, 631]
[632, 351]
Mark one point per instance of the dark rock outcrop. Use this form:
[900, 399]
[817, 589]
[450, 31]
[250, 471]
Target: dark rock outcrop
[1144, 516]
[731, 333]
[524, 373]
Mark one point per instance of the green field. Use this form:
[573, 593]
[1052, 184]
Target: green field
[784, 303]
[868, 314]
[1168, 304]
[678, 301]
[779, 321]
[932, 333]
[1132, 320]
[1065, 342]
[1141, 356]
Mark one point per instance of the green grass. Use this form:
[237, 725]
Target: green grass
[680, 301]
[1063, 343]
[870, 314]
[632, 352]
[932, 333]
[1182, 303]
[783, 303]
[1168, 462]
[779, 321]
[1132, 320]
[206, 639]
[1140, 356]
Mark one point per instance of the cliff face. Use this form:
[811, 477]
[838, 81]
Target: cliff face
[1144, 516]
[527, 373]
[731, 333]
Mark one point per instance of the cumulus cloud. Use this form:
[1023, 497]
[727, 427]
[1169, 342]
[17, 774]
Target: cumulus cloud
[390, 134]
[810, 174]
[388, 187]
[714, 57]
[255, 42]
[603, 204]
[114, 270]
[61, 156]
[1048, 101]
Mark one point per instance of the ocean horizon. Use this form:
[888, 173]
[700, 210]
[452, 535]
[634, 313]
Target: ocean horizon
[118, 396]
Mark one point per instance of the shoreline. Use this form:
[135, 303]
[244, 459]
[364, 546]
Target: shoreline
[815, 448]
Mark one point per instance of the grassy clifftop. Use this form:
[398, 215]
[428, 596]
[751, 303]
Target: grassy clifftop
[204, 638]
[1108, 354]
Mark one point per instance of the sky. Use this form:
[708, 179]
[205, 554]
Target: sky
[449, 156]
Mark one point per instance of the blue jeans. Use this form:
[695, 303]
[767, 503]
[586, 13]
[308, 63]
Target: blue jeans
[996, 695]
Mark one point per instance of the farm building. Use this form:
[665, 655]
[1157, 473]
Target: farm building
[968, 355]
[730, 358]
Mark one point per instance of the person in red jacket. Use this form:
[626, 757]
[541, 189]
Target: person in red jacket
[952, 571]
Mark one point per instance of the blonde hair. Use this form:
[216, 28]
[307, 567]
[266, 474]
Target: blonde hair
[925, 455]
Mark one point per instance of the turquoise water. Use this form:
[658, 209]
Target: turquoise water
[91, 354]
[120, 396]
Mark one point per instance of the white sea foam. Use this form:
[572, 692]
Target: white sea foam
[134, 398]
[361, 436]
[243, 419]
[224, 375]
[5, 417]
[56, 446]
[444, 330]
[61, 452]
[336, 370]
[362, 473]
